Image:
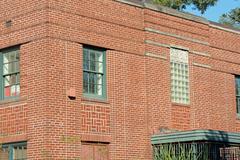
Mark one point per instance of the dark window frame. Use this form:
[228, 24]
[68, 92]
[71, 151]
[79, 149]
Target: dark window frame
[15, 73]
[237, 92]
[87, 70]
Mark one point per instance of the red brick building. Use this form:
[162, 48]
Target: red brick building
[103, 79]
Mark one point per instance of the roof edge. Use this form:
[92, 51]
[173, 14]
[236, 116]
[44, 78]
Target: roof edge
[224, 27]
[185, 15]
[149, 5]
[197, 135]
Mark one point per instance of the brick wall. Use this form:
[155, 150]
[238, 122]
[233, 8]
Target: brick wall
[138, 40]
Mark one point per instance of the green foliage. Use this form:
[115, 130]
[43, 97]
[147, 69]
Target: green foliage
[175, 4]
[172, 152]
[179, 152]
[232, 18]
[201, 5]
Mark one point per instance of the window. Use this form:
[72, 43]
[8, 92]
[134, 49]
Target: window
[95, 151]
[237, 83]
[94, 74]
[179, 76]
[13, 151]
[10, 75]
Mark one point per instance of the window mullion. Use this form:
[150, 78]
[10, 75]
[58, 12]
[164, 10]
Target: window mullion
[10, 152]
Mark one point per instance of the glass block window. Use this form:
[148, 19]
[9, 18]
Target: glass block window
[179, 76]
[13, 151]
[10, 73]
[94, 72]
[237, 83]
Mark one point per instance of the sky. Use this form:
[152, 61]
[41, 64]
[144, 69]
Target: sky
[213, 13]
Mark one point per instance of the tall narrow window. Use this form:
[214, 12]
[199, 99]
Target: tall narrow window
[237, 83]
[179, 76]
[10, 73]
[94, 74]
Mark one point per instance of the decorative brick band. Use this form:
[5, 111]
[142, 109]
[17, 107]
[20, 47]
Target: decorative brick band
[201, 53]
[153, 55]
[179, 47]
[225, 29]
[177, 36]
[202, 65]
[157, 44]
[176, 46]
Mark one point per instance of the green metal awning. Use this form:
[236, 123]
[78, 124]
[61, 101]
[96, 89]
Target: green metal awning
[197, 135]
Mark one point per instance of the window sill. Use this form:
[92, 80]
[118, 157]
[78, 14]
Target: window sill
[95, 100]
[238, 116]
[8, 102]
[180, 104]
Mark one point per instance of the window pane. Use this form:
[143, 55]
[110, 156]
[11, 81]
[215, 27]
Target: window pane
[17, 90]
[91, 88]
[5, 58]
[98, 79]
[100, 67]
[99, 90]
[18, 78]
[13, 90]
[91, 78]
[24, 152]
[238, 81]
[85, 55]
[16, 66]
[99, 57]
[7, 81]
[17, 56]
[237, 91]
[85, 60]
[10, 80]
[19, 153]
[92, 56]
[86, 65]
[10, 57]
[85, 87]
[7, 91]
[85, 82]
[93, 66]
[8, 68]
[238, 104]
[85, 77]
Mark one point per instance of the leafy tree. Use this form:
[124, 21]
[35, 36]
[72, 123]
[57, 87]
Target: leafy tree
[201, 5]
[231, 18]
